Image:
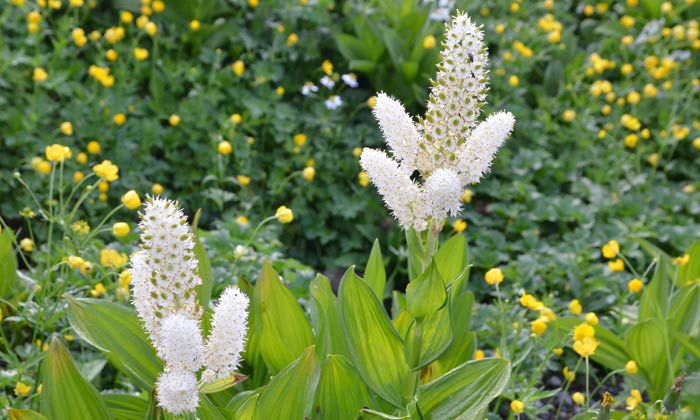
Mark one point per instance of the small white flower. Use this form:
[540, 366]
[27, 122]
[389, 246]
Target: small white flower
[328, 82]
[309, 88]
[180, 344]
[177, 392]
[350, 79]
[227, 339]
[334, 102]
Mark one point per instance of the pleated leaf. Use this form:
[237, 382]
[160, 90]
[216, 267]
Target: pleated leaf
[375, 274]
[341, 393]
[329, 332]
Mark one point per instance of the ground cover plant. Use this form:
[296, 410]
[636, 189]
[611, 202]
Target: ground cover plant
[576, 297]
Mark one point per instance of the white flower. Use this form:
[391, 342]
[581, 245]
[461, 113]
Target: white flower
[399, 130]
[480, 148]
[177, 392]
[441, 192]
[327, 82]
[334, 102]
[227, 339]
[308, 88]
[180, 344]
[164, 270]
[401, 195]
[350, 79]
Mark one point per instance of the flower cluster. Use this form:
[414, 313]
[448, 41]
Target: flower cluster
[165, 276]
[448, 148]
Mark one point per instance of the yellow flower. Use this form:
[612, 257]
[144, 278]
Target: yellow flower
[582, 331]
[667, 7]
[111, 258]
[586, 347]
[103, 186]
[157, 189]
[224, 148]
[34, 17]
[194, 25]
[76, 262]
[650, 90]
[460, 225]
[126, 17]
[516, 405]
[253, 3]
[284, 215]
[158, 6]
[236, 119]
[141, 21]
[578, 398]
[21, 389]
[131, 200]
[58, 153]
[682, 260]
[119, 119]
[238, 68]
[653, 159]
[174, 120]
[292, 39]
[102, 197]
[27, 245]
[125, 279]
[558, 351]
[627, 21]
[494, 276]
[279, 91]
[78, 176]
[242, 220]
[151, 28]
[93, 147]
[372, 102]
[633, 97]
[243, 180]
[363, 179]
[81, 227]
[591, 319]
[569, 115]
[300, 139]
[631, 367]
[39, 74]
[120, 229]
[513, 80]
[66, 128]
[327, 67]
[140, 54]
[575, 307]
[479, 354]
[538, 326]
[106, 170]
[617, 265]
[530, 302]
[98, 290]
[500, 28]
[634, 399]
[635, 285]
[696, 143]
[309, 173]
[611, 249]
[429, 42]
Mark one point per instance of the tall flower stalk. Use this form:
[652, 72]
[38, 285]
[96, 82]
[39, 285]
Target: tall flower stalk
[165, 280]
[432, 159]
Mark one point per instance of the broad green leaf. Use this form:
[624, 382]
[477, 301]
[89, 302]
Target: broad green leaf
[375, 275]
[690, 272]
[248, 409]
[374, 346]
[16, 414]
[416, 253]
[117, 331]
[684, 315]
[645, 343]
[8, 264]
[654, 300]
[437, 336]
[329, 331]
[452, 258]
[221, 384]
[426, 294]
[204, 268]
[66, 394]
[126, 407]
[462, 346]
[341, 393]
[464, 391]
[611, 351]
[290, 393]
[208, 411]
[283, 328]
[252, 354]
[402, 322]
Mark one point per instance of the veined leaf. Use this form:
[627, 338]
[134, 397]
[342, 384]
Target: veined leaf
[283, 328]
[204, 267]
[341, 393]
[690, 272]
[248, 409]
[374, 346]
[117, 331]
[375, 275]
[426, 293]
[464, 391]
[452, 258]
[16, 414]
[8, 264]
[66, 394]
[126, 407]
[290, 393]
[329, 331]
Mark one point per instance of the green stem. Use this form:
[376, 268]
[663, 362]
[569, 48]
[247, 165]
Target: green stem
[414, 353]
[588, 394]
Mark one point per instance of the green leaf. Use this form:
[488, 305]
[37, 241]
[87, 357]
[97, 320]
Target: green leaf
[437, 336]
[204, 267]
[248, 409]
[341, 393]
[654, 300]
[462, 346]
[375, 275]
[464, 391]
[222, 384]
[290, 393]
[426, 294]
[8, 264]
[684, 315]
[646, 345]
[126, 407]
[16, 414]
[452, 258]
[416, 253]
[66, 394]
[374, 346]
[329, 331]
[690, 272]
[116, 331]
[283, 328]
[208, 411]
